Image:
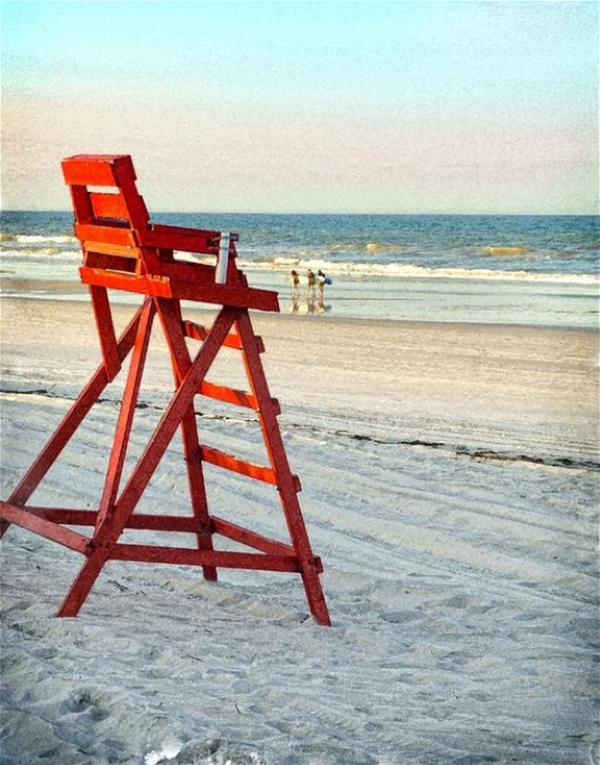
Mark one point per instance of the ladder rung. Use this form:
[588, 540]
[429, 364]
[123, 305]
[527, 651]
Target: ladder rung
[229, 462]
[198, 332]
[20, 516]
[230, 395]
[234, 396]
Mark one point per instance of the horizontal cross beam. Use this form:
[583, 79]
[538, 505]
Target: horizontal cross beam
[219, 559]
[148, 522]
[48, 529]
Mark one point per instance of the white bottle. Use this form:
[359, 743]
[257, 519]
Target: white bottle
[223, 260]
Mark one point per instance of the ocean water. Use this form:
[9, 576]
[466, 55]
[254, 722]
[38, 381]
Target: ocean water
[541, 270]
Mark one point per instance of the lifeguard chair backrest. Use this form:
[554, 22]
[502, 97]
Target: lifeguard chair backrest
[123, 204]
[105, 219]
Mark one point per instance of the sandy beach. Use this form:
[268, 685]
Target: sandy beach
[450, 486]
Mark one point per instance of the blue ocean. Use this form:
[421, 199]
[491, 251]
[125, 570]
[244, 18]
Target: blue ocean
[540, 270]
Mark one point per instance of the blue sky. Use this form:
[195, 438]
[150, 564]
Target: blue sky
[323, 107]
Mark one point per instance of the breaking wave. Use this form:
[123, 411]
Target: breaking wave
[37, 239]
[408, 271]
[54, 253]
[499, 251]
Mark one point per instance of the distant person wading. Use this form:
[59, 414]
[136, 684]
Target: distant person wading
[295, 279]
[311, 285]
[322, 280]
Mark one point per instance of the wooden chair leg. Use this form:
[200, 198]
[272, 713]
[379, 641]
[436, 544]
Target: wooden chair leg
[169, 312]
[285, 481]
[83, 582]
[126, 413]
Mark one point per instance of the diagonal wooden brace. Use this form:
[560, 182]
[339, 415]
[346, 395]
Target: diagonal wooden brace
[74, 417]
[110, 530]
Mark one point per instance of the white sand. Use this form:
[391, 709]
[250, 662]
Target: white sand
[461, 573]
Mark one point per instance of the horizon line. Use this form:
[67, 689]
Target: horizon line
[380, 214]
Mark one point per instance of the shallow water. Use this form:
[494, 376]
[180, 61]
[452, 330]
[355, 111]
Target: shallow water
[538, 270]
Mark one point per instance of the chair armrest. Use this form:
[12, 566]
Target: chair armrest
[180, 238]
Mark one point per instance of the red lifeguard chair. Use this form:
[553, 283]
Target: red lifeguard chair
[123, 250]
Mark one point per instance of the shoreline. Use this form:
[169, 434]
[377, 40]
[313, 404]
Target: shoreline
[78, 294]
[210, 310]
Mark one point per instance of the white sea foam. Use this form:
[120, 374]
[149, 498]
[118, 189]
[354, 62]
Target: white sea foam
[305, 260]
[37, 239]
[408, 271]
[51, 253]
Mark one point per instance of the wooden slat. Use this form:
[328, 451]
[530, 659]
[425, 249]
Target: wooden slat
[98, 170]
[21, 517]
[139, 521]
[161, 228]
[199, 274]
[161, 286]
[190, 557]
[68, 516]
[110, 262]
[176, 523]
[234, 396]
[198, 332]
[117, 234]
[146, 285]
[229, 395]
[108, 206]
[198, 241]
[258, 472]
[117, 250]
[235, 296]
[163, 522]
[229, 462]
[181, 524]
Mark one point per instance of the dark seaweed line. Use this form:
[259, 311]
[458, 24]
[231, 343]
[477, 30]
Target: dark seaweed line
[458, 450]
[466, 451]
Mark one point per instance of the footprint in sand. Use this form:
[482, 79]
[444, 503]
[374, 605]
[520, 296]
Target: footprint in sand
[82, 701]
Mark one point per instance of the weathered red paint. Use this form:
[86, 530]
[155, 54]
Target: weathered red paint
[123, 250]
